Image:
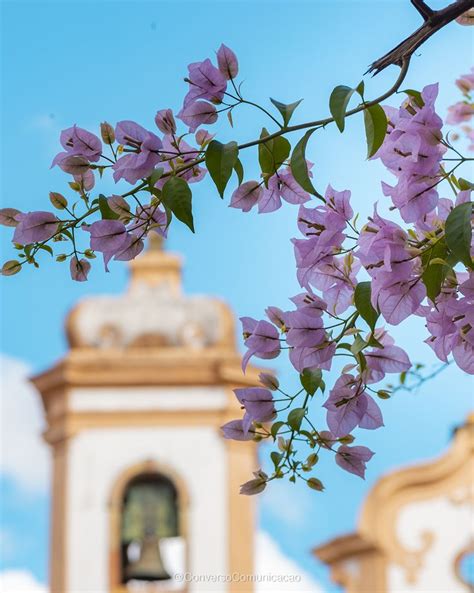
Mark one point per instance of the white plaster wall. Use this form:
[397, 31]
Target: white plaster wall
[110, 399]
[452, 525]
[96, 460]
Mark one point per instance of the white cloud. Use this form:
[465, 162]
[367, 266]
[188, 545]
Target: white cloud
[7, 544]
[270, 560]
[24, 456]
[20, 581]
[275, 502]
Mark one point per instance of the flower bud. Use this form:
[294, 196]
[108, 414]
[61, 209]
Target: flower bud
[203, 137]
[315, 484]
[57, 200]
[107, 132]
[165, 122]
[347, 440]
[11, 267]
[312, 459]
[61, 257]
[269, 381]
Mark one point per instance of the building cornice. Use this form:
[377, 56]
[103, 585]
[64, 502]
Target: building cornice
[145, 367]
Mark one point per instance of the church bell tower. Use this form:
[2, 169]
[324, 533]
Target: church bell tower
[145, 489]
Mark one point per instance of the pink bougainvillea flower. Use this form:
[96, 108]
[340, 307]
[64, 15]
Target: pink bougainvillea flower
[465, 83]
[34, 227]
[198, 113]
[205, 82]
[304, 331]
[79, 269]
[177, 153]
[235, 430]
[354, 459]
[246, 196]
[227, 62]
[258, 404]
[165, 122]
[460, 112]
[78, 142]
[145, 152]
[412, 152]
[261, 339]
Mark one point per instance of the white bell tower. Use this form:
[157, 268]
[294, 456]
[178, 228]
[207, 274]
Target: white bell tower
[133, 413]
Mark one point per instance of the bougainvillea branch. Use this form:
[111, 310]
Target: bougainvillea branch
[356, 277]
[434, 20]
[423, 8]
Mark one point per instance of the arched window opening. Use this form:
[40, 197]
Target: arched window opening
[151, 546]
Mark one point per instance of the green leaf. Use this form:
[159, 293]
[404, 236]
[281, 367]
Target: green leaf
[155, 176]
[273, 153]
[276, 458]
[286, 110]
[169, 216]
[311, 380]
[435, 269]
[374, 342]
[220, 162]
[360, 88]
[363, 304]
[298, 165]
[415, 95]
[295, 418]
[239, 170]
[459, 233]
[358, 345]
[46, 248]
[106, 212]
[177, 196]
[338, 102]
[275, 428]
[362, 361]
[464, 184]
[375, 128]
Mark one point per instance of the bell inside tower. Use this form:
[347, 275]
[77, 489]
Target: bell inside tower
[149, 518]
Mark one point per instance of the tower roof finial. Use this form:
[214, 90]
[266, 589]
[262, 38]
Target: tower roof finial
[156, 266]
[155, 242]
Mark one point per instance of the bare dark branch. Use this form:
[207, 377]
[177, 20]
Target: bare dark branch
[434, 21]
[423, 8]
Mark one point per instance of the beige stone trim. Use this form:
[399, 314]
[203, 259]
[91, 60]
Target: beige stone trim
[469, 549]
[145, 367]
[376, 542]
[58, 513]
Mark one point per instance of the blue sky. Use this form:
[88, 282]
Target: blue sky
[84, 62]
